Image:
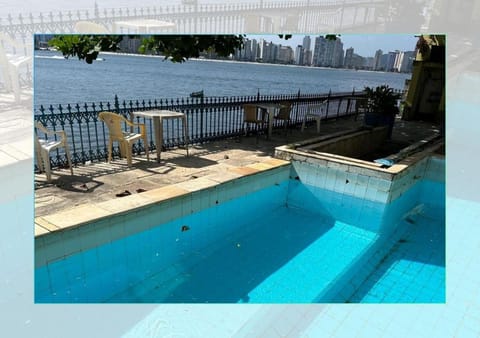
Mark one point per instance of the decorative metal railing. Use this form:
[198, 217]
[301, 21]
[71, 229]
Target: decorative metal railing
[307, 16]
[208, 119]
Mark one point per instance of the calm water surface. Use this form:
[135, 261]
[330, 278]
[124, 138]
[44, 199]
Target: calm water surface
[59, 80]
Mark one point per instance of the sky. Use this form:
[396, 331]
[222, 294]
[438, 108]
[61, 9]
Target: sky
[363, 44]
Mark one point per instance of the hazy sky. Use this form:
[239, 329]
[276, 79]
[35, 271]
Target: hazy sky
[363, 44]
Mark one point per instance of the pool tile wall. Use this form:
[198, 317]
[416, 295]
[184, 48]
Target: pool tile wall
[395, 221]
[357, 178]
[335, 204]
[118, 265]
[355, 188]
[389, 229]
[65, 234]
[374, 192]
[377, 254]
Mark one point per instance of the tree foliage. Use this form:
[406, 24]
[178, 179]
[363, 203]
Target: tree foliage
[177, 48]
[85, 47]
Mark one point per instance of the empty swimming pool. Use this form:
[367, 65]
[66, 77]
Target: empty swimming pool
[290, 242]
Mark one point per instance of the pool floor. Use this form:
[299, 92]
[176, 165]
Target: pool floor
[414, 269]
[289, 257]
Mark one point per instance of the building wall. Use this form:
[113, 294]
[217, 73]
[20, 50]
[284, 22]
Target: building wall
[378, 60]
[348, 58]
[426, 92]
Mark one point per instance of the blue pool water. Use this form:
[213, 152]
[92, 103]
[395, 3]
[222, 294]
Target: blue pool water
[289, 243]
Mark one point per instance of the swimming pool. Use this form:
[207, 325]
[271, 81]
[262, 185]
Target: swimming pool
[291, 241]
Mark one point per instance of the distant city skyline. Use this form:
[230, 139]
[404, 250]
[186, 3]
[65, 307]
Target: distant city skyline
[363, 44]
[318, 51]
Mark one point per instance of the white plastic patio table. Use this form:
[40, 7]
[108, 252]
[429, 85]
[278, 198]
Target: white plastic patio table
[158, 116]
[270, 108]
[144, 25]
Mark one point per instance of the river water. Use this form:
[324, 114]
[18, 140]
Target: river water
[60, 81]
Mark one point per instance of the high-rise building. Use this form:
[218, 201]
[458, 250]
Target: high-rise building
[377, 60]
[130, 45]
[383, 62]
[268, 51]
[251, 49]
[348, 58]
[284, 54]
[319, 51]
[255, 50]
[328, 53]
[368, 63]
[398, 60]
[390, 64]
[306, 42]
[248, 52]
[299, 55]
[357, 61]
[307, 57]
[307, 51]
[338, 54]
[407, 62]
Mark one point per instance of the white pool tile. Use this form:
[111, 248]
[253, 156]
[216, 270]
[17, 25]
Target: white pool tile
[350, 189]
[384, 185]
[199, 201]
[340, 180]
[352, 177]
[373, 183]
[320, 178]
[362, 180]
[330, 181]
[337, 166]
[360, 191]
[371, 193]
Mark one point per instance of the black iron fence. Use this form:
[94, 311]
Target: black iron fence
[208, 119]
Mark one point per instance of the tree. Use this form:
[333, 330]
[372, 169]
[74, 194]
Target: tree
[176, 48]
[86, 47]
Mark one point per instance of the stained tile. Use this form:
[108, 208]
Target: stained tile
[244, 171]
[165, 193]
[72, 217]
[40, 230]
[126, 203]
[260, 166]
[45, 224]
[197, 184]
[276, 162]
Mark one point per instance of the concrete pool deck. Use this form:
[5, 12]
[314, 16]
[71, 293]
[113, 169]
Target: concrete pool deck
[69, 200]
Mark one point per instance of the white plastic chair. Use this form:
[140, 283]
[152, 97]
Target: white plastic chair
[125, 139]
[13, 56]
[43, 147]
[316, 111]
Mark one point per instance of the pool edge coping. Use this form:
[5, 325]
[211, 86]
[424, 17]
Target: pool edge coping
[295, 152]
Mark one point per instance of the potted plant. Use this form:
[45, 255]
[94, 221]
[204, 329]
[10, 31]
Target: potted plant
[381, 107]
